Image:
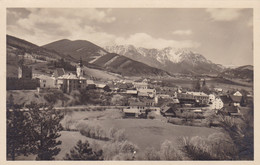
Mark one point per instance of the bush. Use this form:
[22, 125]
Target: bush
[119, 150]
[176, 121]
[120, 135]
[68, 122]
[211, 148]
[54, 96]
[168, 151]
[95, 132]
[151, 154]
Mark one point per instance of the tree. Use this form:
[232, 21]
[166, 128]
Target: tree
[45, 124]
[83, 151]
[217, 146]
[18, 138]
[235, 143]
[242, 134]
[169, 151]
[197, 86]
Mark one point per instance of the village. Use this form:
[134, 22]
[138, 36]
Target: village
[141, 98]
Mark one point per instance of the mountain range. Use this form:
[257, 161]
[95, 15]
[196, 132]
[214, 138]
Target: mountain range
[245, 72]
[72, 51]
[170, 59]
[125, 60]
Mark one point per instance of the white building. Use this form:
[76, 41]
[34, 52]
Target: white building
[141, 85]
[147, 93]
[47, 81]
[215, 102]
[69, 82]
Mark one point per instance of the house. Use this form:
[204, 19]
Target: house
[215, 102]
[103, 88]
[135, 109]
[226, 100]
[193, 98]
[90, 84]
[140, 85]
[229, 100]
[163, 96]
[69, 82]
[168, 111]
[232, 110]
[218, 89]
[148, 102]
[146, 93]
[199, 97]
[47, 81]
[236, 99]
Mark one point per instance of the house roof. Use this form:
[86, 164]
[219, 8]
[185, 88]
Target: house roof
[236, 99]
[146, 90]
[176, 101]
[70, 76]
[167, 109]
[231, 109]
[137, 103]
[41, 76]
[131, 110]
[90, 82]
[197, 93]
[100, 85]
[237, 93]
[225, 99]
[131, 91]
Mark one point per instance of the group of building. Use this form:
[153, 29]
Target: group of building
[142, 95]
[190, 101]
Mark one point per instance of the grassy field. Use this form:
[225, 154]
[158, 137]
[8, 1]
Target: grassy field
[142, 132]
[152, 133]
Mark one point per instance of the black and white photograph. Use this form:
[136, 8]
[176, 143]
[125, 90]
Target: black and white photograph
[129, 84]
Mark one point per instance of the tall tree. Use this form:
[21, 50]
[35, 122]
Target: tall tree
[83, 151]
[45, 122]
[18, 136]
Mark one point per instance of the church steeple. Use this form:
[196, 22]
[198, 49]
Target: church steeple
[80, 68]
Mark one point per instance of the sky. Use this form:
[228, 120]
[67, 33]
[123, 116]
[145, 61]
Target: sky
[222, 35]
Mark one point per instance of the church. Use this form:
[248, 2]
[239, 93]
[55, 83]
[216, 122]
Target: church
[69, 81]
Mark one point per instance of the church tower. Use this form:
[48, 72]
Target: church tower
[80, 68]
